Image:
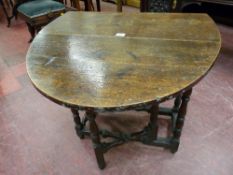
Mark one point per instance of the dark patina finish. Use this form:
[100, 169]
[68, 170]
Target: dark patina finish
[172, 5]
[101, 62]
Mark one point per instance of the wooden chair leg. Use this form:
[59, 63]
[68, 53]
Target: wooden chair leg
[119, 5]
[7, 4]
[11, 3]
[32, 31]
[86, 5]
[6, 14]
[98, 5]
[76, 4]
[90, 5]
[38, 29]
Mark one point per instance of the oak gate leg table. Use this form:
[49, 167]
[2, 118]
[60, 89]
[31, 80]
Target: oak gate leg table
[100, 62]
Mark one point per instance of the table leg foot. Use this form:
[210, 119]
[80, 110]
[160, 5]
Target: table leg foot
[94, 132]
[100, 158]
[174, 145]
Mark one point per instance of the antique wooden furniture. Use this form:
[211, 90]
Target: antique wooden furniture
[154, 5]
[38, 13]
[184, 3]
[172, 5]
[89, 6]
[6, 13]
[158, 5]
[196, 5]
[152, 57]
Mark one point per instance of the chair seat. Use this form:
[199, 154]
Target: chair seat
[37, 8]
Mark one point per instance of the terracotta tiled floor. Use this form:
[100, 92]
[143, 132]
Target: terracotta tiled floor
[37, 137]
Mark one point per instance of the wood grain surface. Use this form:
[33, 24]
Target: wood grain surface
[78, 59]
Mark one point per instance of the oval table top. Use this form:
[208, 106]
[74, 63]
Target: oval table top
[108, 60]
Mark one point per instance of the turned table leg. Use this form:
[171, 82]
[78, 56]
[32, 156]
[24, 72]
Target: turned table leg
[180, 120]
[153, 124]
[149, 134]
[94, 132]
[78, 124]
[177, 103]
